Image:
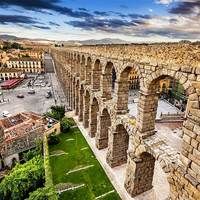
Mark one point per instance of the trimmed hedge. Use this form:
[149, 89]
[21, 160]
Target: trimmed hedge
[48, 175]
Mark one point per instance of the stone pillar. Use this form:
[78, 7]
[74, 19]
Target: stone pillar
[93, 118]
[77, 100]
[139, 174]
[117, 146]
[106, 86]
[74, 95]
[82, 72]
[80, 115]
[147, 109]
[101, 138]
[96, 76]
[121, 95]
[86, 110]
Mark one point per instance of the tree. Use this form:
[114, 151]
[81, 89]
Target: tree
[57, 112]
[65, 125]
[23, 179]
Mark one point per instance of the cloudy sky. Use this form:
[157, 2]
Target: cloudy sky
[131, 20]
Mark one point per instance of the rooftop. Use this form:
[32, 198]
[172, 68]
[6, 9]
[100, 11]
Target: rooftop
[24, 59]
[8, 70]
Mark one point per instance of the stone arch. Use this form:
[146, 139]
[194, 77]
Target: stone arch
[77, 98]
[107, 80]
[94, 109]
[96, 75]
[102, 131]
[86, 109]
[88, 70]
[122, 90]
[118, 141]
[140, 174]
[147, 106]
[81, 93]
[148, 100]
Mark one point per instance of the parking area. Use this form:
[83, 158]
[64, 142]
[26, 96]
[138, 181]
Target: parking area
[22, 99]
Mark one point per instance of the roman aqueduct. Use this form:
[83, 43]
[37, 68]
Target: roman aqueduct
[85, 74]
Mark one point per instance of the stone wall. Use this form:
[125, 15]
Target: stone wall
[91, 67]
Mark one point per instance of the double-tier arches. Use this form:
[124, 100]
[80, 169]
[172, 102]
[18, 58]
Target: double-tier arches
[145, 125]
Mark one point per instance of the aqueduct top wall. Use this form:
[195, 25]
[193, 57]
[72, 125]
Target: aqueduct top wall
[84, 72]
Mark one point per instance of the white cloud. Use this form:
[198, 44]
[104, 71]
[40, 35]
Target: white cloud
[165, 2]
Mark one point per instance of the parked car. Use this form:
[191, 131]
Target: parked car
[6, 114]
[20, 96]
[31, 91]
[48, 95]
[43, 84]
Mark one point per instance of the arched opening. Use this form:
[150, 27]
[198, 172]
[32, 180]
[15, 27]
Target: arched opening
[102, 132]
[77, 98]
[96, 75]
[163, 109]
[86, 109]
[108, 81]
[118, 141]
[88, 70]
[167, 119]
[81, 93]
[93, 117]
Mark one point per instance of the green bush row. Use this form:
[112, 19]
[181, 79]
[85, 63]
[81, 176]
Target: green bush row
[49, 187]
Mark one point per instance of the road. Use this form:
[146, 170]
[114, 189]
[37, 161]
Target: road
[34, 102]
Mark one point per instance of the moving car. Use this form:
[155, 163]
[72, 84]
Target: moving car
[20, 96]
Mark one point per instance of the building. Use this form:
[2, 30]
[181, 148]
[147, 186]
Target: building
[37, 54]
[19, 133]
[26, 64]
[134, 79]
[10, 73]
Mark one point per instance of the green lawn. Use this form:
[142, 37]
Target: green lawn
[94, 177]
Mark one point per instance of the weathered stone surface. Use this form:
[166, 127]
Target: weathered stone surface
[88, 69]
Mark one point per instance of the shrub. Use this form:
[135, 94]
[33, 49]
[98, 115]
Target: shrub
[57, 112]
[42, 194]
[34, 152]
[53, 139]
[65, 125]
[23, 179]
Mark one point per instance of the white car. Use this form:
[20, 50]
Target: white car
[6, 114]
